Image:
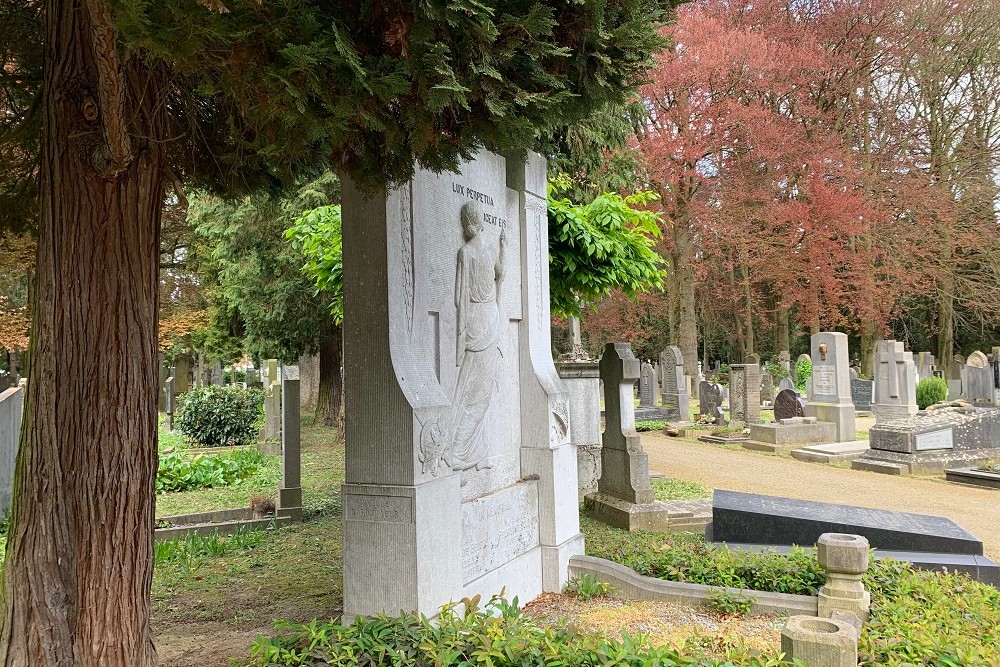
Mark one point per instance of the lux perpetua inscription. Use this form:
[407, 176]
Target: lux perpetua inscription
[481, 198]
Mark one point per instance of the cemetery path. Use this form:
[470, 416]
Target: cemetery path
[976, 510]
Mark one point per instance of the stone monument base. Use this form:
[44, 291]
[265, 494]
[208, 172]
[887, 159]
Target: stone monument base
[656, 516]
[841, 415]
[931, 441]
[790, 433]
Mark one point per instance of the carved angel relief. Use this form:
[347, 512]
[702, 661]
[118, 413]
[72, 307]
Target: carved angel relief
[458, 437]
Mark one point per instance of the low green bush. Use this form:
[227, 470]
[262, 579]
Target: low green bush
[215, 416]
[499, 636]
[729, 604]
[179, 471]
[930, 391]
[803, 371]
[650, 425]
[587, 587]
[929, 618]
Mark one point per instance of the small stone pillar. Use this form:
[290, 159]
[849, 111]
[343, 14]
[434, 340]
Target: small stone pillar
[290, 491]
[845, 559]
[583, 384]
[820, 642]
[169, 399]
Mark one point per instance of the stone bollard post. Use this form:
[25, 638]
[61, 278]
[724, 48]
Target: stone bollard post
[820, 642]
[845, 559]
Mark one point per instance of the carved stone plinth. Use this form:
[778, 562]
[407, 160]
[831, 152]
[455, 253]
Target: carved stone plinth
[845, 559]
[820, 642]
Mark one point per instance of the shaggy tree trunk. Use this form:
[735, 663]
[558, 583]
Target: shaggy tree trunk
[781, 330]
[80, 551]
[331, 379]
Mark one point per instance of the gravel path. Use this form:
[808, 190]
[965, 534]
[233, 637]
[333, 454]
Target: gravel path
[976, 510]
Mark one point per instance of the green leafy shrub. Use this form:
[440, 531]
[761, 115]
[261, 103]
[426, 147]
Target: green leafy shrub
[803, 371]
[587, 587]
[650, 425]
[227, 375]
[179, 471]
[930, 391]
[777, 370]
[215, 416]
[728, 603]
[499, 636]
[687, 557]
[929, 618]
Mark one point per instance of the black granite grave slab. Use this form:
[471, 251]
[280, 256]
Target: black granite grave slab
[746, 518]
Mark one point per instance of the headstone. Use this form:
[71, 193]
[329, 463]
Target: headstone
[183, 367]
[674, 387]
[926, 365]
[624, 464]
[11, 412]
[767, 389]
[647, 386]
[751, 359]
[786, 384]
[977, 383]
[788, 405]
[830, 400]
[955, 367]
[290, 491]
[801, 357]
[744, 394]
[710, 403]
[996, 376]
[854, 373]
[785, 359]
[862, 394]
[582, 381]
[215, 373]
[895, 386]
[460, 471]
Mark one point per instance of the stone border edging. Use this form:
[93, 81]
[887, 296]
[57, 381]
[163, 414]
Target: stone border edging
[218, 522]
[634, 586]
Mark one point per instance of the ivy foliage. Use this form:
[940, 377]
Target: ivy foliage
[605, 245]
[316, 235]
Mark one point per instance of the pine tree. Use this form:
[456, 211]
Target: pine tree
[130, 98]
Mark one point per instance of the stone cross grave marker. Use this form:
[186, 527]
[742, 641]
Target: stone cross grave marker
[675, 397]
[895, 382]
[647, 386]
[787, 405]
[785, 359]
[624, 464]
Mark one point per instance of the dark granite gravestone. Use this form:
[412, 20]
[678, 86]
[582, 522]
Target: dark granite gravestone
[861, 393]
[787, 405]
[746, 518]
[710, 401]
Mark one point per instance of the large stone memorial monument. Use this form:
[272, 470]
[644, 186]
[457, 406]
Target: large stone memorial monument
[895, 384]
[461, 478]
[673, 383]
[830, 400]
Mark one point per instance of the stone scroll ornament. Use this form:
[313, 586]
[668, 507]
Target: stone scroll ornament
[457, 437]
